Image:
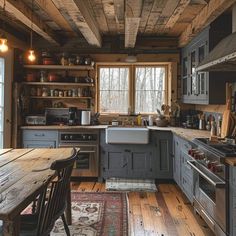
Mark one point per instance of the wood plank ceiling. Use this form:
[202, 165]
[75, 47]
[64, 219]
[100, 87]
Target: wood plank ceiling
[62, 21]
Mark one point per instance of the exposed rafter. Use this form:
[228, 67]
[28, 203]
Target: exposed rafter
[208, 14]
[119, 9]
[79, 11]
[176, 14]
[23, 13]
[52, 11]
[133, 10]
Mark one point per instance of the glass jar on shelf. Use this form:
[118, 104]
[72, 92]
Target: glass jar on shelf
[43, 77]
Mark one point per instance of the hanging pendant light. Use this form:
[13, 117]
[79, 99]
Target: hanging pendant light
[3, 40]
[31, 54]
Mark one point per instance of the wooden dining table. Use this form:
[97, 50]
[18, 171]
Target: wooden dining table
[24, 173]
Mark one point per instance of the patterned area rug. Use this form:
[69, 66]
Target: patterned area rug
[96, 214]
[113, 184]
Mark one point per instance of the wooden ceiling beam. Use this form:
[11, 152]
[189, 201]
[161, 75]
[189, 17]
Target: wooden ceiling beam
[208, 14]
[23, 13]
[133, 11]
[52, 11]
[119, 9]
[176, 14]
[80, 12]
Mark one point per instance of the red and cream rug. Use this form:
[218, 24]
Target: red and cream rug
[96, 214]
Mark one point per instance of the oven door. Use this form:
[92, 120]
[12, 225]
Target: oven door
[210, 197]
[87, 163]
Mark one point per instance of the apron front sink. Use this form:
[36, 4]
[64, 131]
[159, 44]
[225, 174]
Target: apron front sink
[127, 135]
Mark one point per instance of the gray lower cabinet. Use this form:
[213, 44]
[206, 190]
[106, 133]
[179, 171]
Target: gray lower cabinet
[162, 160]
[182, 172]
[176, 159]
[40, 138]
[126, 161]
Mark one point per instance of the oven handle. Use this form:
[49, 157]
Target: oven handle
[220, 184]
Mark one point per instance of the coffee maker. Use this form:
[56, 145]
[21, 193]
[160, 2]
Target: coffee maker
[73, 119]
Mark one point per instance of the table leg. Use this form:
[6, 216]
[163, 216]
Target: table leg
[11, 227]
[68, 207]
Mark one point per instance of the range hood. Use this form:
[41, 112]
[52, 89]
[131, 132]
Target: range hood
[223, 55]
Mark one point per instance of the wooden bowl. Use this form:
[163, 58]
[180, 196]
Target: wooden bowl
[161, 123]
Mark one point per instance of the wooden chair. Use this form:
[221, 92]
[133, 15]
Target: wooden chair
[51, 202]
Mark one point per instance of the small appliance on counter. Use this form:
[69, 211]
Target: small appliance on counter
[35, 120]
[85, 117]
[73, 118]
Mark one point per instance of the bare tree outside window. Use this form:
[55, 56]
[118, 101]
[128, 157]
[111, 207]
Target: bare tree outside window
[149, 89]
[114, 89]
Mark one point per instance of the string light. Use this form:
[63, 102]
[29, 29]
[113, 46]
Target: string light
[31, 56]
[3, 40]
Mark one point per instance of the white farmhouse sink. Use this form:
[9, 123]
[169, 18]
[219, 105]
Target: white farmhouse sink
[127, 135]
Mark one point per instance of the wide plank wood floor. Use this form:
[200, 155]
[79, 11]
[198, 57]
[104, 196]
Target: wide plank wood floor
[164, 213]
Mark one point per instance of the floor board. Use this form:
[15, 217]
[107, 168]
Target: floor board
[164, 213]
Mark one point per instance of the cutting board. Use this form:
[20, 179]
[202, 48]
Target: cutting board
[226, 120]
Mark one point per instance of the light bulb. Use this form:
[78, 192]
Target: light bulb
[3, 45]
[31, 56]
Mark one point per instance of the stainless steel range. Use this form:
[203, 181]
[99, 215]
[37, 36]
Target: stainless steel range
[88, 142]
[211, 185]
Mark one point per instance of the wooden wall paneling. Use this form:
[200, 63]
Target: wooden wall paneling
[23, 13]
[208, 14]
[80, 13]
[99, 14]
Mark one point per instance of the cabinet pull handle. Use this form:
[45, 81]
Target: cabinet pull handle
[127, 150]
[124, 165]
[39, 135]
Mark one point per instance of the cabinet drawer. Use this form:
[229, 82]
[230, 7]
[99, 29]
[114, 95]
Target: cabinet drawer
[186, 146]
[40, 135]
[187, 187]
[39, 144]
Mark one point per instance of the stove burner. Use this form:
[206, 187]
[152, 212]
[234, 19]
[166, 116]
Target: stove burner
[222, 148]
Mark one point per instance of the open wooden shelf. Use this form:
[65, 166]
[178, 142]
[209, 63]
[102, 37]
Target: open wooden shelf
[59, 83]
[59, 67]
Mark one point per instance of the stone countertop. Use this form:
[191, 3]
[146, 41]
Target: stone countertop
[63, 127]
[188, 134]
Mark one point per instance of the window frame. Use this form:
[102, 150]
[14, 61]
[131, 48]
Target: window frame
[132, 67]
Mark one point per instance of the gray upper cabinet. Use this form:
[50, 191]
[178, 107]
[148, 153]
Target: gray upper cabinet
[202, 87]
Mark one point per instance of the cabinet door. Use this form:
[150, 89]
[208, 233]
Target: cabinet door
[115, 162]
[176, 159]
[202, 77]
[163, 155]
[39, 144]
[193, 75]
[139, 162]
